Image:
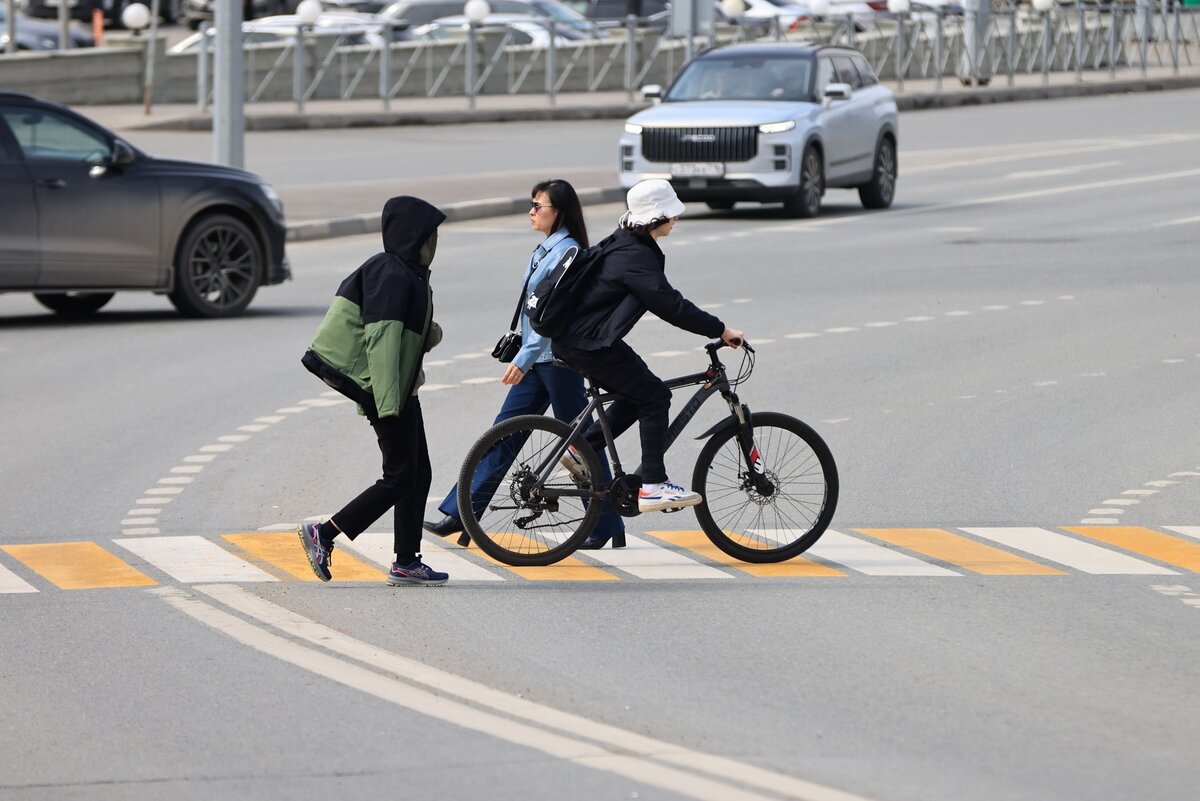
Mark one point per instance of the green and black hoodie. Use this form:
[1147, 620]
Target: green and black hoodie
[371, 343]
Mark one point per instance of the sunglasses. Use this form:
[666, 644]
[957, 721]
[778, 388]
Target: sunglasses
[535, 207]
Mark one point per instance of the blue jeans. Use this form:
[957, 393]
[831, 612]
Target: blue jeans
[545, 385]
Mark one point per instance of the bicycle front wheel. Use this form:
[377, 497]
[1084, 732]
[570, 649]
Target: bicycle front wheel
[757, 527]
[516, 519]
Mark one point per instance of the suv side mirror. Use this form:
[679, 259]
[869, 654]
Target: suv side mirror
[652, 92]
[122, 155]
[838, 91]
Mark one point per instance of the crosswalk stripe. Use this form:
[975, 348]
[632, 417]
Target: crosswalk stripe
[968, 554]
[193, 559]
[78, 566]
[284, 551]
[10, 582]
[697, 542]
[378, 546]
[1187, 531]
[871, 559]
[1147, 542]
[648, 560]
[569, 569]
[1070, 552]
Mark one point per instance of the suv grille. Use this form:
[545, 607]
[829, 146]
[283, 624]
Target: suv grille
[699, 144]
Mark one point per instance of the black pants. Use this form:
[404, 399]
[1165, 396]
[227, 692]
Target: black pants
[404, 486]
[641, 396]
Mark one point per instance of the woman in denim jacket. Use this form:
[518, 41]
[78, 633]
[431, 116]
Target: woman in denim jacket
[536, 382]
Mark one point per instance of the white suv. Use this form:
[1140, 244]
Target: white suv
[768, 123]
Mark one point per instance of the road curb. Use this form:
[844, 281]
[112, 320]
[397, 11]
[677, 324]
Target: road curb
[455, 212]
[922, 101]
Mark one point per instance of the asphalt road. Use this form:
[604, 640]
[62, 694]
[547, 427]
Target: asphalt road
[1011, 351]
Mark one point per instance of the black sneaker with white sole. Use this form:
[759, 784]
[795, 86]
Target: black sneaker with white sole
[317, 547]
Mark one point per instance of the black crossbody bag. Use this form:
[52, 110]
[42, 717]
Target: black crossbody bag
[508, 346]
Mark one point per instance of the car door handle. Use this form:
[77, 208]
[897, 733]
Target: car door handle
[54, 183]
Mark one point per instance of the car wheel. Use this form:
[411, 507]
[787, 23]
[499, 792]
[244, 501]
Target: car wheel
[720, 205]
[218, 267]
[879, 192]
[73, 304]
[807, 200]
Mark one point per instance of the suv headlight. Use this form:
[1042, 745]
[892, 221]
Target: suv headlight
[633, 128]
[777, 127]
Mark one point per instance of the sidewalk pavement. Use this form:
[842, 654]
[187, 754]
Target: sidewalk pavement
[341, 214]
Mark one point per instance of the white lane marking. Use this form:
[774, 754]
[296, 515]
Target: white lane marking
[880, 324]
[967, 397]
[139, 521]
[835, 420]
[1062, 170]
[1065, 297]
[286, 410]
[1121, 502]
[192, 559]
[740, 235]
[1187, 531]
[215, 448]
[468, 355]
[1070, 552]
[378, 547]
[1161, 483]
[952, 229]
[139, 532]
[270, 419]
[176, 480]
[918, 319]
[1033, 302]
[1181, 221]
[668, 353]
[841, 330]
[435, 387]
[957, 313]
[485, 379]
[437, 363]
[323, 402]
[188, 468]
[252, 428]
[763, 341]
[712, 305]
[233, 438]
[644, 749]
[742, 300]
[144, 511]
[200, 458]
[648, 560]
[11, 583]
[801, 335]
[164, 491]
[995, 307]
[867, 557]
[1099, 521]
[153, 501]
[1184, 473]
[1044, 383]
[1092, 375]
[1142, 492]
[1106, 511]
[1173, 361]
[1065, 148]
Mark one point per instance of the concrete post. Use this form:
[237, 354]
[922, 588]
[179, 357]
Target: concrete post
[975, 67]
[148, 87]
[385, 67]
[11, 45]
[470, 64]
[229, 87]
[64, 25]
[551, 65]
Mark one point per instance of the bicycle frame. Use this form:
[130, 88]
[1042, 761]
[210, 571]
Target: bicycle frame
[713, 380]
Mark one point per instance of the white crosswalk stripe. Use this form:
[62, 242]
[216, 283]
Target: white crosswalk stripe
[869, 558]
[378, 547]
[194, 559]
[10, 582]
[1070, 552]
[648, 560]
[1187, 531]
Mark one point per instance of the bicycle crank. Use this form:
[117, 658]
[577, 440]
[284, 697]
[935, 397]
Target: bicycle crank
[623, 494]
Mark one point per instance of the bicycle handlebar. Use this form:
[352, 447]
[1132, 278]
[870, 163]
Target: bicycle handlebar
[713, 347]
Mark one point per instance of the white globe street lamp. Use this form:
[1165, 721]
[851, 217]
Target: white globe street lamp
[819, 8]
[476, 11]
[135, 17]
[733, 9]
[899, 6]
[1043, 5]
[308, 12]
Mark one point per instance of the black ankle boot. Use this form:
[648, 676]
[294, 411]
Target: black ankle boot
[445, 527]
[595, 542]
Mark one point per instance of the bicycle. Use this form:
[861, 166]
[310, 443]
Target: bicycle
[769, 482]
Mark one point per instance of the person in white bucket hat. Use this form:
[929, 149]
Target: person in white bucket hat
[631, 281]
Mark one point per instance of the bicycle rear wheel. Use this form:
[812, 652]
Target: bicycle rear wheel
[754, 527]
[508, 514]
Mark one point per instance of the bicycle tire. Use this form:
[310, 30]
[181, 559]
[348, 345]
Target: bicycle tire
[509, 542]
[800, 465]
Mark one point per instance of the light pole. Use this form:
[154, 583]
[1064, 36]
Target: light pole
[10, 41]
[307, 13]
[1044, 7]
[476, 11]
[735, 10]
[136, 17]
[899, 9]
[229, 86]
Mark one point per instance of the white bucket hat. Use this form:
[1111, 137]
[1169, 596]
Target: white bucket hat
[651, 200]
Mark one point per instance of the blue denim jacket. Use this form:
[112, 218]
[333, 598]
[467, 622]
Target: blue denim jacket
[535, 348]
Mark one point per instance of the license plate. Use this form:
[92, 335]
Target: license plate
[698, 169]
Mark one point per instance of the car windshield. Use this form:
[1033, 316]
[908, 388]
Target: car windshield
[744, 78]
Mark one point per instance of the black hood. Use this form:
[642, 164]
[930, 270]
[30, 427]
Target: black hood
[407, 223]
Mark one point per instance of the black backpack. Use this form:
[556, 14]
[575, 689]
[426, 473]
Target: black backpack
[553, 302]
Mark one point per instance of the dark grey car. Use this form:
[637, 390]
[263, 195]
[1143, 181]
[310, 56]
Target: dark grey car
[84, 214]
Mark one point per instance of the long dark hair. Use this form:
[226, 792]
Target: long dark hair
[568, 211]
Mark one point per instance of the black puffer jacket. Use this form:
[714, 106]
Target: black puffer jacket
[632, 280]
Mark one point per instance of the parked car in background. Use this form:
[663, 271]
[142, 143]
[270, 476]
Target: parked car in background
[36, 34]
[771, 122]
[523, 29]
[168, 10]
[354, 29]
[195, 12]
[407, 13]
[84, 214]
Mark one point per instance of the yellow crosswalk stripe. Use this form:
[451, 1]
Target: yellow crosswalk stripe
[960, 551]
[569, 569]
[78, 565]
[697, 542]
[284, 551]
[1146, 541]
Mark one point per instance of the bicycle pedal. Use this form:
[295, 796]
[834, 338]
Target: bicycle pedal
[673, 510]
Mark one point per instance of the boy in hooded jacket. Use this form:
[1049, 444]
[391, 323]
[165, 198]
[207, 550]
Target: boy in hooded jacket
[370, 347]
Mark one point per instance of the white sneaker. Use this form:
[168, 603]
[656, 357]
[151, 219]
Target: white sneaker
[656, 498]
[572, 462]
